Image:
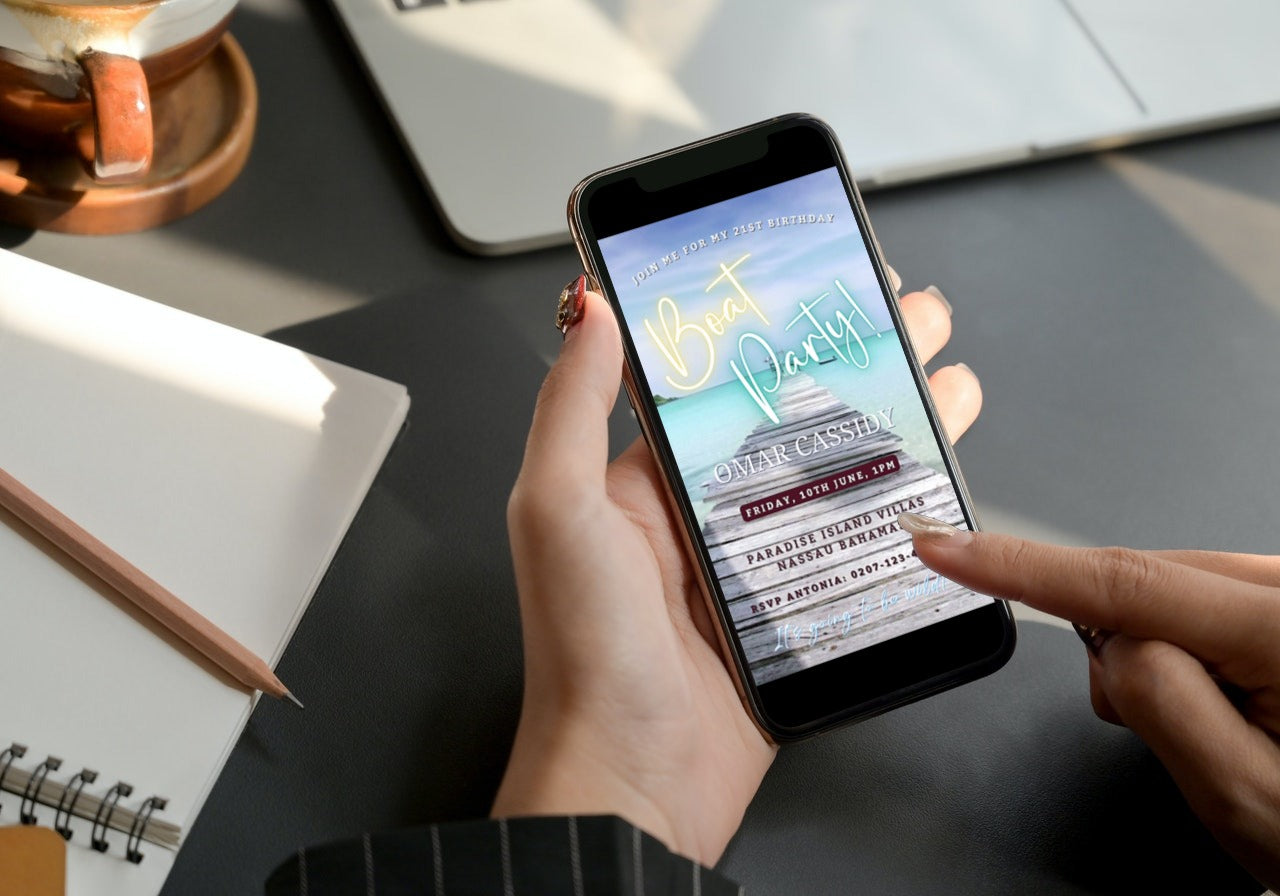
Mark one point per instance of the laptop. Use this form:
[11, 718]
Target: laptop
[504, 105]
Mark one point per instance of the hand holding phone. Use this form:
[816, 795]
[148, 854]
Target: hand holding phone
[790, 421]
[629, 708]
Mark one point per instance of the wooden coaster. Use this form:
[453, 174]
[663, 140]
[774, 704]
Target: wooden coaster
[203, 130]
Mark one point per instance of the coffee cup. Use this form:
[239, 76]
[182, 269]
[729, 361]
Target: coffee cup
[77, 75]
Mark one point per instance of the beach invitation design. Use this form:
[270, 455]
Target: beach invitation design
[788, 401]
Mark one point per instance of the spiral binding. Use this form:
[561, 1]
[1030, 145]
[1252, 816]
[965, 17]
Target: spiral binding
[69, 800]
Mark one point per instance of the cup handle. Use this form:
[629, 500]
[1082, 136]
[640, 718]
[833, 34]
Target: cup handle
[123, 138]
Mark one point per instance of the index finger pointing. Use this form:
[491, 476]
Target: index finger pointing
[1138, 593]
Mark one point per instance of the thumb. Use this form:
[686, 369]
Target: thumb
[568, 443]
[1223, 765]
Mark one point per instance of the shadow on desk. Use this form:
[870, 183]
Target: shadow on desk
[409, 663]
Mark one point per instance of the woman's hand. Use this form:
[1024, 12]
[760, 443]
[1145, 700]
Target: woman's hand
[628, 707]
[1187, 655]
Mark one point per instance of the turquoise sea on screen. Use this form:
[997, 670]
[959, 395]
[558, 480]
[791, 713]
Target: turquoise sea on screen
[708, 427]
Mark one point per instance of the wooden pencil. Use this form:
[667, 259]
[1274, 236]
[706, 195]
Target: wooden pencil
[144, 592]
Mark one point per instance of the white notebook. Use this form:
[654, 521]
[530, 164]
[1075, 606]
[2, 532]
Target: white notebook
[225, 466]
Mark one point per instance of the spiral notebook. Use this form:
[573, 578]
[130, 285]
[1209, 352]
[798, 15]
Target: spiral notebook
[225, 466]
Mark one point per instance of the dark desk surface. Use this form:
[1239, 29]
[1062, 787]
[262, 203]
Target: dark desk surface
[1122, 311]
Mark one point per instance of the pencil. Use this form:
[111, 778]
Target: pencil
[144, 592]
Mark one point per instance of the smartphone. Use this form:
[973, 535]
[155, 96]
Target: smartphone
[768, 367]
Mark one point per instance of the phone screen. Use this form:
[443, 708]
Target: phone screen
[759, 327]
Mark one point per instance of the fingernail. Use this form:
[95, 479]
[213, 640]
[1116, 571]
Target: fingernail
[937, 294]
[1092, 636]
[571, 304]
[964, 366]
[934, 530]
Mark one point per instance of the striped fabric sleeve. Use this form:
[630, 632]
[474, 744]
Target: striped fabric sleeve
[598, 855]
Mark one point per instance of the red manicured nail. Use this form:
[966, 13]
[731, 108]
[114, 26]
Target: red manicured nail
[572, 302]
[1092, 636]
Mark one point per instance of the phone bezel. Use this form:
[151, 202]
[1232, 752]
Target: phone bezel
[683, 179]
